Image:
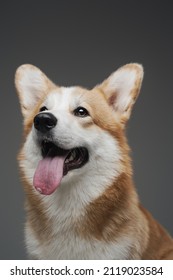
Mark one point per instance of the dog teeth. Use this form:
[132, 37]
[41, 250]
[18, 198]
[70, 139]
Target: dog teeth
[71, 158]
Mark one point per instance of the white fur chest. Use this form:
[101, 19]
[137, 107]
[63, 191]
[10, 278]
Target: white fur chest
[70, 247]
[65, 209]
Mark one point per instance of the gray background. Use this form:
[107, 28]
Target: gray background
[82, 42]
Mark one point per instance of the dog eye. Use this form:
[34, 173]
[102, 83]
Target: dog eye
[81, 112]
[43, 109]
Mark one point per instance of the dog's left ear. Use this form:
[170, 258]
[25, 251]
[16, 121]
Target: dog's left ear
[31, 85]
[121, 89]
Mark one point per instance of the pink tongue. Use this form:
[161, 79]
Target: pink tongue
[48, 174]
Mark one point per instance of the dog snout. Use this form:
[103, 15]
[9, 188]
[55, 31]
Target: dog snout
[44, 122]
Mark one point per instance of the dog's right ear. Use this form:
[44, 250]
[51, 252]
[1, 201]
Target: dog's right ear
[31, 85]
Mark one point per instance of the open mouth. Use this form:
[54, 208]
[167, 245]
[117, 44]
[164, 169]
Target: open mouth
[74, 158]
[56, 163]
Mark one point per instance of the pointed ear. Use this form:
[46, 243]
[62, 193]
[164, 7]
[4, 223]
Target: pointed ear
[121, 89]
[31, 85]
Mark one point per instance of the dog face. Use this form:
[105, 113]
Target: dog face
[73, 133]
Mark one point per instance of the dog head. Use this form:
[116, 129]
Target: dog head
[71, 133]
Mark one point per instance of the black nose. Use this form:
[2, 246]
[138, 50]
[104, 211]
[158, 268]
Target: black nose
[44, 122]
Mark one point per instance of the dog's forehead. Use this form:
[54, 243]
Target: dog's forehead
[65, 97]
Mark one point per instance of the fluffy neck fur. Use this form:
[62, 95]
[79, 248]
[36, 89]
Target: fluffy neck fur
[72, 213]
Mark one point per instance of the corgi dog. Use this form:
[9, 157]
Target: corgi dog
[81, 202]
